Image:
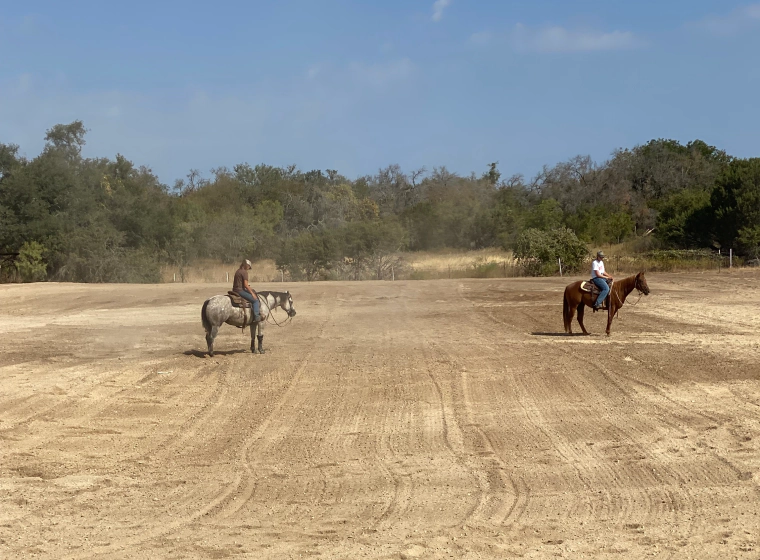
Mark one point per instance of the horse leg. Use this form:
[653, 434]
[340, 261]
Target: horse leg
[581, 312]
[255, 327]
[610, 314]
[260, 338]
[210, 336]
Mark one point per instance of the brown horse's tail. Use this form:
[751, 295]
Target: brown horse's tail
[566, 312]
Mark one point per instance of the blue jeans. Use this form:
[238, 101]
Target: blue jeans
[246, 295]
[601, 283]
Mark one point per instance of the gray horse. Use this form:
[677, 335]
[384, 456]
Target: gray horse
[219, 310]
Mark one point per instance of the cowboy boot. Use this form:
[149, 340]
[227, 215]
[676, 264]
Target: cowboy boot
[260, 337]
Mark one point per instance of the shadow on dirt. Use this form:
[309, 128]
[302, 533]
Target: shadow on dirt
[204, 354]
[559, 334]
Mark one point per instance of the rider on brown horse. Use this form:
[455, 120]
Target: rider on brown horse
[600, 278]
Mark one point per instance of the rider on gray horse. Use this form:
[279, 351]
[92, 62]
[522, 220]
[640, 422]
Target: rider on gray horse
[241, 287]
[601, 279]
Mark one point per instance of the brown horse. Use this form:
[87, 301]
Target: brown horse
[575, 298]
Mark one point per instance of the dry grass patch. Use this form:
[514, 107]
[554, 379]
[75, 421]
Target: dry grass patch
[209, 272]
[483, 263]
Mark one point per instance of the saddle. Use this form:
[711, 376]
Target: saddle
[590, 287]
[238, 301]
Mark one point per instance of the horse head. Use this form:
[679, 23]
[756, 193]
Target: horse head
[641, 284]
[286, 304]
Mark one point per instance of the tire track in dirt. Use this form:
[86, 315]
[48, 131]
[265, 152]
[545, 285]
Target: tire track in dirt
[502, 497]
[660, 482]
[452, 435]
[459, 455]
[189, 427]
[505, 511]
[221, 501]
[387, 457]
[73, 395]
[248, 480]
[618, 500]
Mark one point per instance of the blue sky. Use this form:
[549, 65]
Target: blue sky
[355, 86]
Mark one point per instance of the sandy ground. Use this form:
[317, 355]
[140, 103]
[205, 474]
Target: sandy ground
[443, 419]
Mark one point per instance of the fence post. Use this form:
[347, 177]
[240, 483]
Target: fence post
[393, 275]
[730, 258]
[559, 260]
[175, 276]
[282, 275]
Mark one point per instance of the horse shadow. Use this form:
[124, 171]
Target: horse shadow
[204, 353]
[564, 334]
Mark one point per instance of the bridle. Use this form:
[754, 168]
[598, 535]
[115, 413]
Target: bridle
[636, 287]
[269, 315]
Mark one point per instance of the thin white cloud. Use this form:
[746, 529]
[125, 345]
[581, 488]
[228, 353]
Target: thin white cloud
[481, 38]
[738, 20]
[24, 83]
[384, 74]
[438, 7]
[557, 39]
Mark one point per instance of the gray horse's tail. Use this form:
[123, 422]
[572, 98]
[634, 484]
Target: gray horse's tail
[204, 319]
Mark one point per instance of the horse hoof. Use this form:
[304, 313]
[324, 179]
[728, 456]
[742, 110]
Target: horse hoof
[210, 354]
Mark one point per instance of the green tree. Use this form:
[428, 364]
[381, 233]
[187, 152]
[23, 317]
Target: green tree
[546, 215]
[30, 262]
[372, 246]
[308, 255]
[683, 218]
[735, 201]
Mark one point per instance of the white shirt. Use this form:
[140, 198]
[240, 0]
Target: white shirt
[597, 269]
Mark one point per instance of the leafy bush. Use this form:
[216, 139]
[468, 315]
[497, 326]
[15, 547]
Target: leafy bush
[539, 250]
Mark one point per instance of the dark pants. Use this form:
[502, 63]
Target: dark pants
[247, 295]
[604, 288]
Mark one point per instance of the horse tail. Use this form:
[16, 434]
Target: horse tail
[566, 312]
[204, 319]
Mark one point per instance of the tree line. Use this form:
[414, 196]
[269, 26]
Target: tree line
[69, 218]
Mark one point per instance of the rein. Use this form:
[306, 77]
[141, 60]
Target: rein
[269, 315]
[285, 322]
[623, 303]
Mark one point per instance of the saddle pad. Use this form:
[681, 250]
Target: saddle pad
[237, 301]
[589, 286]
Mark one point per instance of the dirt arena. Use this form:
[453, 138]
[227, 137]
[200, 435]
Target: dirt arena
[442, 419]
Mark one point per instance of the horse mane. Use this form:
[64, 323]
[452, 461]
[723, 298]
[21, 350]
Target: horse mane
[621, 288]
[275, 294]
